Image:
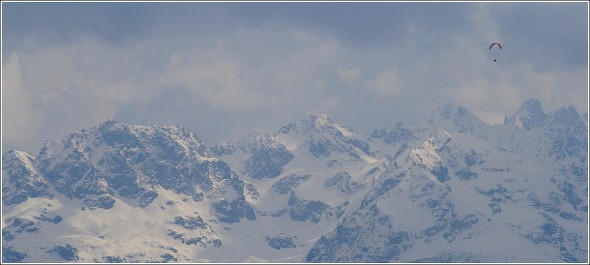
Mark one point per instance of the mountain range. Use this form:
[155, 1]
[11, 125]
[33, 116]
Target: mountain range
[450, 188]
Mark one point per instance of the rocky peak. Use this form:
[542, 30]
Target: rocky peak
[449, 111]
[20, 179]
[457, 119]
[565, 116]
[255, 140]
[324, 137]
[316, 124]
[530, 114]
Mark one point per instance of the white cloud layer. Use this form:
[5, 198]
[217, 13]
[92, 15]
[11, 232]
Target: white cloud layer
[19, 118]
[224, 69]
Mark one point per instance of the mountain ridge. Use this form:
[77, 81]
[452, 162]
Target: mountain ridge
[312, 191]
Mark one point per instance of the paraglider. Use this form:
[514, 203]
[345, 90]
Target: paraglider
[495, 44]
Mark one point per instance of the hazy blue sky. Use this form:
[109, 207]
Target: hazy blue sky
[222, 69]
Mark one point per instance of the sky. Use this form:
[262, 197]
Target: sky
[225, 69]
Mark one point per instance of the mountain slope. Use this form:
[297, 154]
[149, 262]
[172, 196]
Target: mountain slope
[448, 189]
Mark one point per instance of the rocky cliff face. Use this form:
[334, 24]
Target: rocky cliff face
[449, 189]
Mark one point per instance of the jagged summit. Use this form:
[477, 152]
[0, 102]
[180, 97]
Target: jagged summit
[316, 123]
[453, 114]
[114, 161]
[323, 137]
[448, 111]
[566, 116]
[110, 126]
[313, 123]
[457, 119]
[319, 119]
[116, 134]
[20, 179]
[530, 114]
[447, 189]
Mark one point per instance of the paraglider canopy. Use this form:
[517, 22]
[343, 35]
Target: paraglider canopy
[495, 43]
[496, 52]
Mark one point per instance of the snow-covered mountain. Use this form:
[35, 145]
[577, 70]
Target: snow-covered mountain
[528, 115]
[448, 189]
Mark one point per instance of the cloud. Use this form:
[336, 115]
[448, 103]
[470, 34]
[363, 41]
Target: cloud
[19, 118]
[494, 96]
[217, 82]
[489, 100]
[386, 83]
[81, 83]
[41, 24]
[58, 89]
[549, 36]
[349, 76]
[224, 68]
